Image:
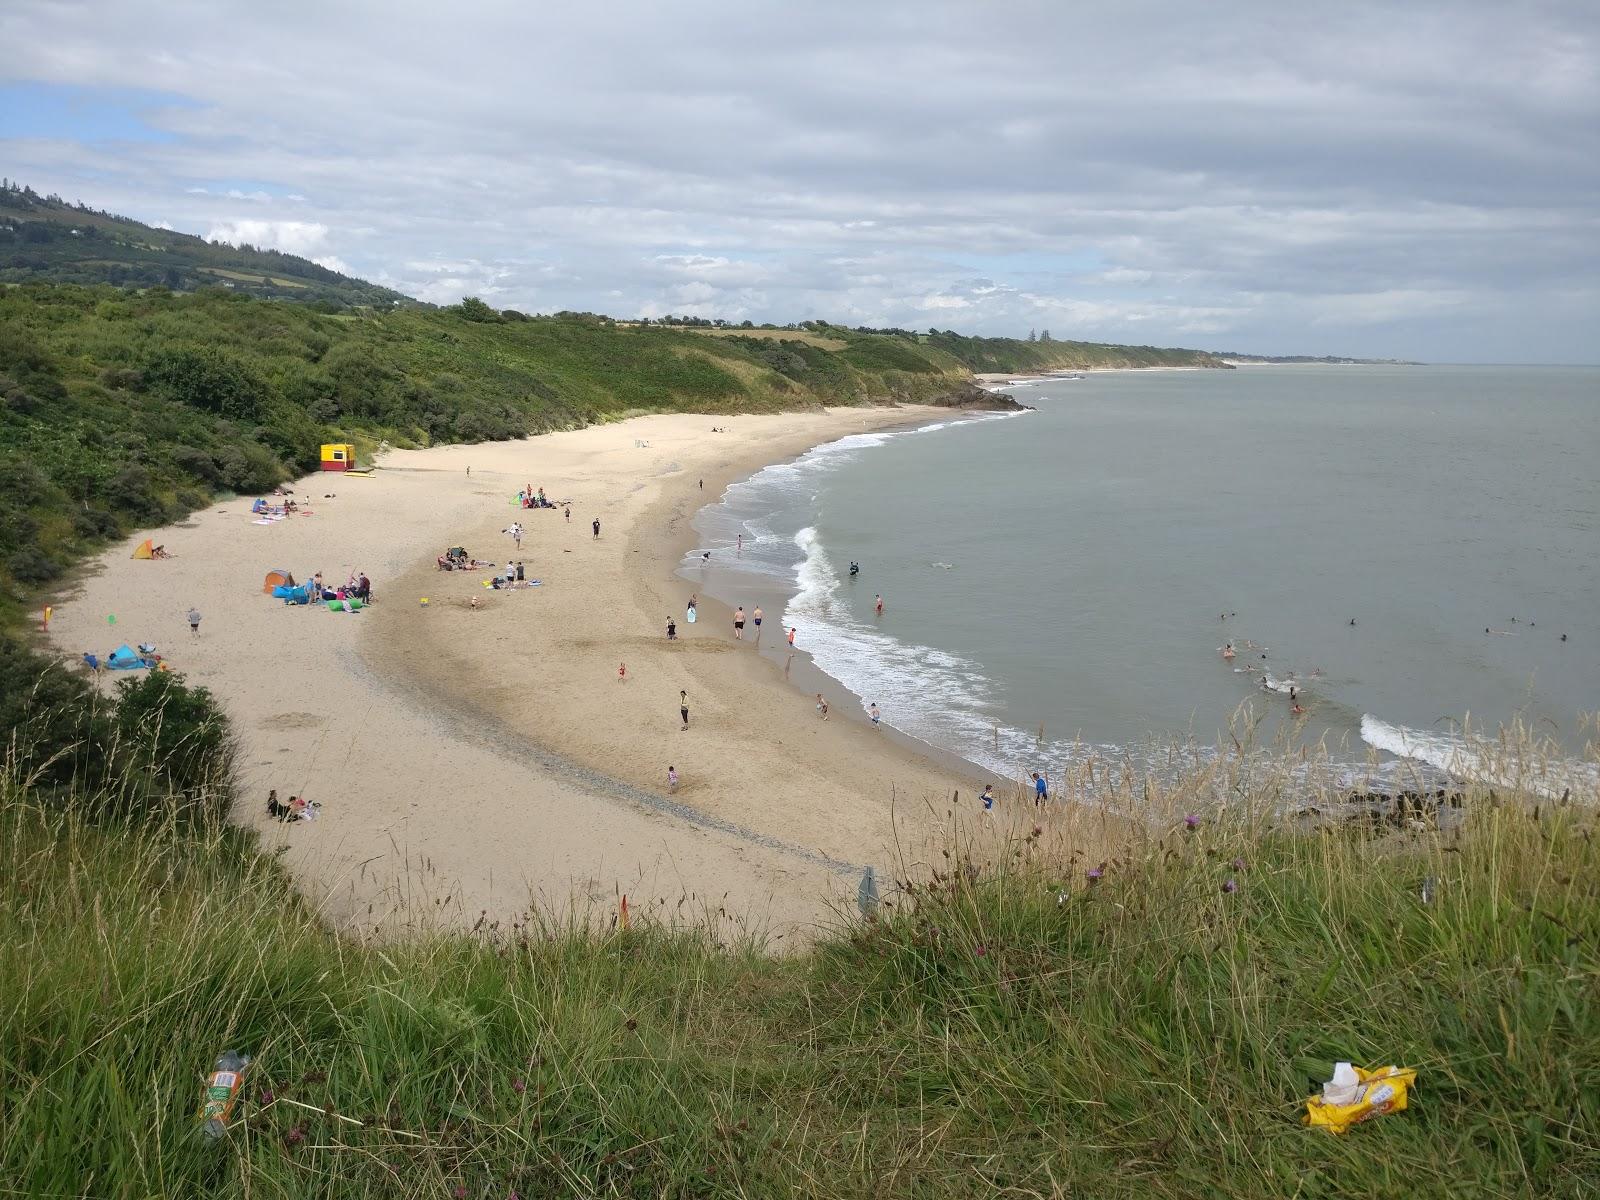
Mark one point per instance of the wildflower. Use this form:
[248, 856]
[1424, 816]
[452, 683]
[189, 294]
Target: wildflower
[1238, 864]
[1038, 831]
[1230, 886]
[1095, 874]
[1191, 821]
[295, 1136]
[518, 1086]
[267, 1097]
[982, 950]
[461, 1192]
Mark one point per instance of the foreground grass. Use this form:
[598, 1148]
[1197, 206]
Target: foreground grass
[1007, 1029]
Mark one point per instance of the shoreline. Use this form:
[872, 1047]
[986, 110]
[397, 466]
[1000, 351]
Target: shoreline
[477, 763]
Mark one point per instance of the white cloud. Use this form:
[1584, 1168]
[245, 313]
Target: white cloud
[292, 237]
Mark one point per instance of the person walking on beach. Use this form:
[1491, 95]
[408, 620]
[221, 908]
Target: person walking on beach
[822, 707]
[568, 511]
[738, 623]
[672, 629]
[597, 528]
[194, 621]
[756, 617]
[878, 606]
[622, 672]
[683, 706]
[672, 779]
[791, 637]
[739, 549]
[872, 711]
[1041, 789]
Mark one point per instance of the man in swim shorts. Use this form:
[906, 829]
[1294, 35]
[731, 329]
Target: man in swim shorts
[756, 617]
[738, 622]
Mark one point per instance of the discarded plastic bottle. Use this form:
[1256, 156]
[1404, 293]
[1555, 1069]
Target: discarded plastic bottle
[867, 894]
[222, 1093]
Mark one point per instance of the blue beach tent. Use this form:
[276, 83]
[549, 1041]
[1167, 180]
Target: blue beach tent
[123, 658]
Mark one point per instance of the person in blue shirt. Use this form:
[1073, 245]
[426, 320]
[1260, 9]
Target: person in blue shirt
[988, 797]
[1041, 788]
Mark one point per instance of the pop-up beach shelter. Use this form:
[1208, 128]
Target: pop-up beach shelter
[124, 659]
[144, 550]
[276, 578]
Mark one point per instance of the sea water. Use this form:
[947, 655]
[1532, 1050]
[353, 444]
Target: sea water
[1080, 567]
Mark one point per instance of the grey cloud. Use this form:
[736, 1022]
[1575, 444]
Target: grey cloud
[1416, 179]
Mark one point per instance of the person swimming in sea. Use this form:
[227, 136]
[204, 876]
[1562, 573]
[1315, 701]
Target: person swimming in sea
[855, 569]
[1227, 651]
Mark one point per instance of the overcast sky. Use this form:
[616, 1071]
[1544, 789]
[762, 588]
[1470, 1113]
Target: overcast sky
[1408, 179]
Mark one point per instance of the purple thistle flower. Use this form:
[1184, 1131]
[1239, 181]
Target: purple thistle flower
[267, 1097]
[1094, 874]
[461, 1191]
[518, 1086]
[1191, 821]
[1230, 886]
[1238, 864]
[982, 950]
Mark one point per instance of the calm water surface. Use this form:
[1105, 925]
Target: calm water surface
[1068, 566]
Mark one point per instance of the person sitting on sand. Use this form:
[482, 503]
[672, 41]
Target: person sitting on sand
[988, 797]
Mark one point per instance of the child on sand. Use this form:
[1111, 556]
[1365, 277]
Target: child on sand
[822, 706]
[872, 711]
[194, 621]
[672, 630]
[791, 637]
[622, 672]
[988, 797]
[672, 779]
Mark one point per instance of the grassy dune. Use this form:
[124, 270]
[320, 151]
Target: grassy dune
[1006, 1028]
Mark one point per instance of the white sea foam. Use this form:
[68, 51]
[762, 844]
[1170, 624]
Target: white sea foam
[1474, 760]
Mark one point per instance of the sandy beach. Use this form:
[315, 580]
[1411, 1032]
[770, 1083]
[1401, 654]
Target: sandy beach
[473, 762]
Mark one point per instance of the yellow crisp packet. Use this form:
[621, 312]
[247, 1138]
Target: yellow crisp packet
[1381, 1090]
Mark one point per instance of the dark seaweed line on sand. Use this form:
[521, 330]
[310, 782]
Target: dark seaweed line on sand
[491, 733]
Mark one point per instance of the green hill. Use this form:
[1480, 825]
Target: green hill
[45, 238]
[121, 409]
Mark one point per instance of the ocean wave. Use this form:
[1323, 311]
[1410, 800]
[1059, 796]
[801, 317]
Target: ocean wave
[1476, 760]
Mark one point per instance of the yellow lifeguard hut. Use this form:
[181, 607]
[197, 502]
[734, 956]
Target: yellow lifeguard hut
[338, 456]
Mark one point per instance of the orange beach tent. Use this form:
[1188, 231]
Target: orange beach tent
[276, 578]
[144, 550]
